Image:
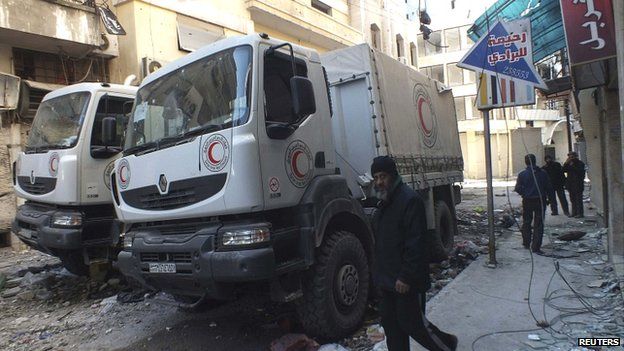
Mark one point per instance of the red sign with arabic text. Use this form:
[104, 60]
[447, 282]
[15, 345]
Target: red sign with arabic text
[589, 29]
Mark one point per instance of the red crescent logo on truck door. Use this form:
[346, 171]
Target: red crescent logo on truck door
[215, 152]
[123, 173]
[53, 164]
[298, 163]
[426, 117]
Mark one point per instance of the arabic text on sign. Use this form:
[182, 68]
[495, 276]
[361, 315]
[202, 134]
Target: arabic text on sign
[508, 55]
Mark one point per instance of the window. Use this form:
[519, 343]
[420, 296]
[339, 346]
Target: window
[413, 54]
[277, 94]
[420, 42]
[109, 106]
[454, 74]
[460, 108]
[469, 77]
[466, 42]
[375, 36]
[324, 8]
[400, 44]
[452, 39]
[435, 72]
[434, 44]
[475, 111]
[49, 68]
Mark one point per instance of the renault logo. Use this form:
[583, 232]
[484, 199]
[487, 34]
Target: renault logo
[162, 184]
[32, 177]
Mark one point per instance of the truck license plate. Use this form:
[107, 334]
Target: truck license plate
[26, 233]
[162, 267]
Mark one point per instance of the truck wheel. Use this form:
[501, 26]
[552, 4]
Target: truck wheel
[445, 224]
[74, 262]
[336, 291]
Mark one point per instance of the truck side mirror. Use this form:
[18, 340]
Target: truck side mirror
[302, 96]
[127, 106]
[109, 131]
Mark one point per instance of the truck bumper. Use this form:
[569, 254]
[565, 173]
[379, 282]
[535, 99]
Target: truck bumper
[200, 269]
[32, 224]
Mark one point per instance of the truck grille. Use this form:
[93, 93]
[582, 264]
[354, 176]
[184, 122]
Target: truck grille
[42, 185]
[177, 257]
[181, 193]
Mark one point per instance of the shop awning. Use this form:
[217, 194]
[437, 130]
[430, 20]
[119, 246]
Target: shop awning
[546, 24]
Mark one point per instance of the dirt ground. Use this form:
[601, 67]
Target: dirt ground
[44, 307]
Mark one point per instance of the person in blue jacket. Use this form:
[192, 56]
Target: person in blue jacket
[401, 267]
[534, 186]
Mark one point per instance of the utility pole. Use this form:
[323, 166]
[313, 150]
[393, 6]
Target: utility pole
[490, 190]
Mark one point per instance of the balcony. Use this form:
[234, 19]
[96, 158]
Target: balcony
[69, 26]
[298, 19]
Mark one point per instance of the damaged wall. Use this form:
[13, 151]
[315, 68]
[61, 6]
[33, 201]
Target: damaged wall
[590, 120]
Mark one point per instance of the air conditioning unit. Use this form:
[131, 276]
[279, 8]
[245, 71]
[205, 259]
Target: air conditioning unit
[109, 46]
[150, 65]
[403, 60]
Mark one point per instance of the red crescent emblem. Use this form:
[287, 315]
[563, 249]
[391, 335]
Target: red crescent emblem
[210, 156]
[293, 163]
[422, 120]
[121, 174]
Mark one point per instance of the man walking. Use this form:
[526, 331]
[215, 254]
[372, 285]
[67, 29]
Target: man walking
[401, 268]
[557, 180]
[533, 185]
[575, 170]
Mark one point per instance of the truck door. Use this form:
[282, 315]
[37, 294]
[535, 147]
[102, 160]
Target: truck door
[289, 164]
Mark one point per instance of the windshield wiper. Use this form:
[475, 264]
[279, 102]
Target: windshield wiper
[138, 148]
[207, 128]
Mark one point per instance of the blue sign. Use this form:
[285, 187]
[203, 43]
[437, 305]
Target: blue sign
[505, 51]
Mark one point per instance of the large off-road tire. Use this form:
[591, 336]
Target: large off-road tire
[73, 261]
[445, 225]
[335, 291]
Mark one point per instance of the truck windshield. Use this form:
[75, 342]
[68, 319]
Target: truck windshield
[207, 95]
[57, 122]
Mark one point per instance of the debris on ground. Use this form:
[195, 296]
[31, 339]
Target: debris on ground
[294, 342]
[573, 235]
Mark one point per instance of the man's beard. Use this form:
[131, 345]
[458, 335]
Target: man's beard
[381, 194]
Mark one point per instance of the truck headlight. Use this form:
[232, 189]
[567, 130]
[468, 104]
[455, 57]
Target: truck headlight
[128, 240]
[245, 236]
[61, 219]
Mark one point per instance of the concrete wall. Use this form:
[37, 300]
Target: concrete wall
[525, 141]
[590, 120]
[51, 20]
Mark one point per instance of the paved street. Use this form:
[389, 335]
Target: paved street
[82, 314]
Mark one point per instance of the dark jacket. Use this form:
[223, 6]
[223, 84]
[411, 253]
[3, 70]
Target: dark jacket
[400, 227]
[576, 174]
[555, 174]
[526, 184]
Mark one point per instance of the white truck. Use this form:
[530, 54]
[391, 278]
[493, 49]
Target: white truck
[63, 174]
[247, 165]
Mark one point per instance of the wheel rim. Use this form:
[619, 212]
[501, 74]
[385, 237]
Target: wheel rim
[347, 285]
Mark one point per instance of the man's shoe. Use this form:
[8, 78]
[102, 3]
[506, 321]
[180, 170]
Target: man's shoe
[579, 216]
[526, 246]
[554, 214]
[567, 214]
[538, 252]
[453, 342]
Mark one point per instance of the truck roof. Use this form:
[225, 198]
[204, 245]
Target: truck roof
[91, 87]
[223, 44]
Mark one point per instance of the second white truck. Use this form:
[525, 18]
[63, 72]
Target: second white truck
[63, 174]
[247, 167]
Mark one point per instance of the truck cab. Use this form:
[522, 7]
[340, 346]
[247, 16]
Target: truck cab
[239, 172]
[63, 174]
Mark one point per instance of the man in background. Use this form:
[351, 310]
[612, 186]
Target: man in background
[533, 185]
[557, 180]
[575, 183]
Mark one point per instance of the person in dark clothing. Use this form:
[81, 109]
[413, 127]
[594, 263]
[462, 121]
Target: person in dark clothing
[575, 170]
[401, 267]
[533, 185]
[557, 180]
